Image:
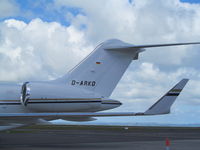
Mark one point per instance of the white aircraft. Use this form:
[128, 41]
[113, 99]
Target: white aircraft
[82, 92]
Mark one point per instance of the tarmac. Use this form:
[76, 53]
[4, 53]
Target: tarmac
[99, 137]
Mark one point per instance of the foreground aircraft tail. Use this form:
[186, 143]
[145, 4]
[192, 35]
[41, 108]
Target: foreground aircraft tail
[101, 70]
[162, 106]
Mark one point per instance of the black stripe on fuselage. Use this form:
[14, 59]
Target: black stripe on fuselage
[10, 103]
[65, 99]
[47, 102]
[32, 102]
[112, 103]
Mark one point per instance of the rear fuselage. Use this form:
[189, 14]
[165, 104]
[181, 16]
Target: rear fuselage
[51, 97]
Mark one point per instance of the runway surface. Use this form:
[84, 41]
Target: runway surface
[99, 137]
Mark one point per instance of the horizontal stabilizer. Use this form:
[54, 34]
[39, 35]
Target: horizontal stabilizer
[150, 46]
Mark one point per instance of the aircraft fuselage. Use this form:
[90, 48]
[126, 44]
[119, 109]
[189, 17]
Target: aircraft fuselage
[47, 97]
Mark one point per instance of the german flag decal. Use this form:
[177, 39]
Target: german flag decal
[98, 62]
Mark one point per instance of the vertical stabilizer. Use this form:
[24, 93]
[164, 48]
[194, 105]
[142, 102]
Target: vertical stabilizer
[102, 69]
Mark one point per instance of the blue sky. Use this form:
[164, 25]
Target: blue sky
[43, 39]
[191, 1]
[45, 10]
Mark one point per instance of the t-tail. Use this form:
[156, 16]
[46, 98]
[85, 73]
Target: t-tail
[101, 70]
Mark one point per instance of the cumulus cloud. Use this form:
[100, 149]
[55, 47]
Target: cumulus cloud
[39, 50]
[146, 83]
[142, 22]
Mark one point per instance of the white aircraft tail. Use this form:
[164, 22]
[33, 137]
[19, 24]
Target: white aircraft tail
[101, 70]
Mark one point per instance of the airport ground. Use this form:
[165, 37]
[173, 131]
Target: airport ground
[45, 137]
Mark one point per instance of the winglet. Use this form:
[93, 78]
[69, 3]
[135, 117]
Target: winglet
[163, 105]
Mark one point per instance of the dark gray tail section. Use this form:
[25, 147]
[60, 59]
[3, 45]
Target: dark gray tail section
[163, 105]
